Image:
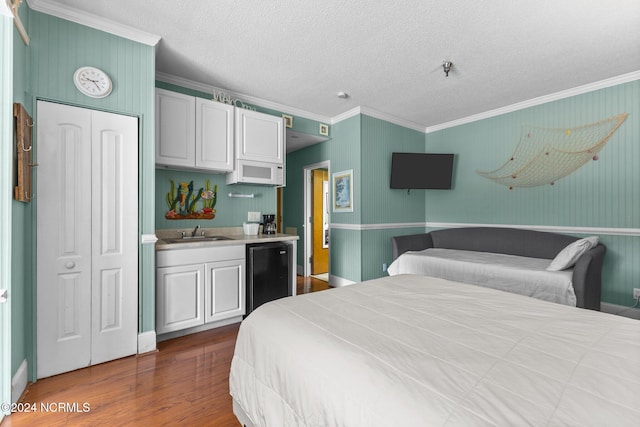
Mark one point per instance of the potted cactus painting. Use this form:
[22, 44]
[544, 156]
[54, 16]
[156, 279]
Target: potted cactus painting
[183, 201]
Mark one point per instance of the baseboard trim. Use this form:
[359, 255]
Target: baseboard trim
[19, 382]
[338, 282]
[620, 310]
[201, 328]
[146, 342]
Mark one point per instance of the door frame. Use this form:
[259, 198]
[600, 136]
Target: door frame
[308, 228]
[6, 182]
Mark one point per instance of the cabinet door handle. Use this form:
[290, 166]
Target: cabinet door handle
[70, 264]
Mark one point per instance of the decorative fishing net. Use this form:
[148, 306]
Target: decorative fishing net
[543, 156]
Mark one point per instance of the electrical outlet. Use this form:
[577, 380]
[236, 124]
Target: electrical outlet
[636, 293]
[253, 216]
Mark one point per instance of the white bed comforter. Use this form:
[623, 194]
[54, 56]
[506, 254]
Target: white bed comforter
[521, 275]
[421, 351]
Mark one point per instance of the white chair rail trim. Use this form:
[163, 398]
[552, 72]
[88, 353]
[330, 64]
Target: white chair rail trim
[611, 231]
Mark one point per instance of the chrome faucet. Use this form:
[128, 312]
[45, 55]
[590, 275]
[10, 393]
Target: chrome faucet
[193, 233]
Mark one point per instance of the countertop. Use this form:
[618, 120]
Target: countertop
[235, 235]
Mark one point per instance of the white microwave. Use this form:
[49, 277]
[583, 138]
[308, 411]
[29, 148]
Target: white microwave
[252, 172]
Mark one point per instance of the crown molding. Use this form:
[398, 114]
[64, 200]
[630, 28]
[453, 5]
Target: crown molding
[202, 87]
[392, 119]
[346, 115]
[602, 84]
[377, 115]
[624, 78]
[94, 21]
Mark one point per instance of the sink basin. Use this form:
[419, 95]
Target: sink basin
[189, 239]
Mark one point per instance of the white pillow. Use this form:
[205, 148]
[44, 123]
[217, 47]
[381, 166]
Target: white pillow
[569, 255]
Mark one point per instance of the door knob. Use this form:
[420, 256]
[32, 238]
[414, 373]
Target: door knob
[70, 264]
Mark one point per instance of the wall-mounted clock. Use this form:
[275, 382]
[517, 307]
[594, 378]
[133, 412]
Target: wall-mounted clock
[92, 82]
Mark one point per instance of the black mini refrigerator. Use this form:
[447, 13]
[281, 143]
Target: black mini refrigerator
[268, 273]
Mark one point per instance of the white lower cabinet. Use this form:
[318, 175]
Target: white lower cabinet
[179, 295]
[224, 290]
[195, 287]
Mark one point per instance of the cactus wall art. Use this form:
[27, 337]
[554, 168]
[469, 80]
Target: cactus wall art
[183, 201]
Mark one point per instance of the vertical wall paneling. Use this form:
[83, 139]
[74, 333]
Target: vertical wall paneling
[343, 150]
[602, 193]
[230, 212]
[22, 264]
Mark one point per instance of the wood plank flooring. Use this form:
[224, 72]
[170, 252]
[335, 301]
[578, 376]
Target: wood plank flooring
[185, 382]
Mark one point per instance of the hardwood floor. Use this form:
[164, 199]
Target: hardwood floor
[185, 382]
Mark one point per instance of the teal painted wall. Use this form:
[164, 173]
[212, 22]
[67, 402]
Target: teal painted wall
[293, 193]
[380, 204]
[22, 277]
[230, 212]
[604, 193]
[343, 153]
[364, 144]
[57, 49]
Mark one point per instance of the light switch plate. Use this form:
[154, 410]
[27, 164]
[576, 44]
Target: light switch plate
[253, 216]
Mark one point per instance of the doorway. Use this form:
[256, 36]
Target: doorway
[316, 221]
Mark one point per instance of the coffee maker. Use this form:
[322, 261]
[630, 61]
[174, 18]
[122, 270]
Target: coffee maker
[269, 224]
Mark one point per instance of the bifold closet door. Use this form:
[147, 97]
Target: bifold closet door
[87, 237]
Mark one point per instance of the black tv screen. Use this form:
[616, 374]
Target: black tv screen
[421, 171]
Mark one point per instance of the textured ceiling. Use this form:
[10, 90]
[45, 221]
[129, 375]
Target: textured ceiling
[387, 55]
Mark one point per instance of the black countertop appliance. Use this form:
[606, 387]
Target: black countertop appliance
[269, 224]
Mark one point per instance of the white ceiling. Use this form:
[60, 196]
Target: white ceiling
[387, 55]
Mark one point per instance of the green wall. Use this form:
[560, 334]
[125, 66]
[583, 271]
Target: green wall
[380, 204]
[364, 144]
[57, 49]
[22, 276]
[603, 193]
[230, 212]
[343, 152]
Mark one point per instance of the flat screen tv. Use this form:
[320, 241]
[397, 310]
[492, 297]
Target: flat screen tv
[429, 171]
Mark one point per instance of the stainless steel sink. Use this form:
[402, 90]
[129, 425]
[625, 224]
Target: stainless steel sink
[190, 239]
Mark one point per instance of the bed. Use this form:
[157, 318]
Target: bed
[423, 351]
[505, 259]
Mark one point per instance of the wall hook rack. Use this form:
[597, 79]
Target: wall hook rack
[239, 195]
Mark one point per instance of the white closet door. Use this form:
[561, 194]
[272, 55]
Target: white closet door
[114, 236]
[64, 238]
[87, 215]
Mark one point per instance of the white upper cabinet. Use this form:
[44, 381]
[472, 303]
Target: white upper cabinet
[259, 137]
[214, 135]
[175, 129]
[193, 133]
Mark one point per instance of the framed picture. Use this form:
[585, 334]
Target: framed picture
[343, 191]
[324, 129]
[288, 120]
